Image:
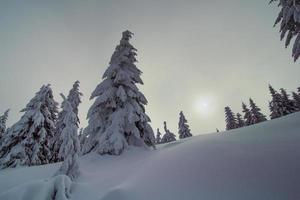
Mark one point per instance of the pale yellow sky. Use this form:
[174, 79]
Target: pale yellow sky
[191, 53]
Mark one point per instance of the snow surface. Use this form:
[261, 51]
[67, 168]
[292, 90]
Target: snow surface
[260, 162]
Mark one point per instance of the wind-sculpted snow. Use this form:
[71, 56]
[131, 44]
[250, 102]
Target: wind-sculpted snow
[258, 162]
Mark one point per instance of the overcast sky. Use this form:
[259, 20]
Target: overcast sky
[196, 55]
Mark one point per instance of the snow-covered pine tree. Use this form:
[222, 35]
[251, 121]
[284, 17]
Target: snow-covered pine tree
[82, 138]
[158, 137]
[183, 128]
[289, 19]
[80, 134]
[70, 146]
[27, 141]
[67, 132]
[3, 120]
[230, 119]
[287, 102]
[276, 106]
[168, 136]
[256, 115]
[247, 115]
[117, 118]
[240, 121]
[296, 98]
[74, 99]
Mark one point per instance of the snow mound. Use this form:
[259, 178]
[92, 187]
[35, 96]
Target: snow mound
[257, 162]
[55, 188]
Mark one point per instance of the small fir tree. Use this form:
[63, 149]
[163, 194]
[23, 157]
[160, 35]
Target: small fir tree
[296, 98]
[70, 146]
[240, 121]
[287, 102]
[158, 137]
[230, 119]
[168, 136]
[68, 132]
[82, 138]
[74, 99]
[247, 115]
[3, 120]
[256, 115]
[184, 130]
[276, 106]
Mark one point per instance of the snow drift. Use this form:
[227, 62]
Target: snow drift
[257, 162]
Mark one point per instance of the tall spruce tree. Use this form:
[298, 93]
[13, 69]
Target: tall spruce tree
[240, 121]
[168, 136]
[230, 119]
[289, 19]
[74, 98]
[296, 98]
[256, 115]
[183, 128]
[287, 102]
[27, 141]
[247, 115]
[70, 146]
[117, 118]
[158, 137]
[3, 120]
[276, 105]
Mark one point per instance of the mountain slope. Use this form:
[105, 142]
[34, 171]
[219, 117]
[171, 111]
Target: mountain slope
[257, 162]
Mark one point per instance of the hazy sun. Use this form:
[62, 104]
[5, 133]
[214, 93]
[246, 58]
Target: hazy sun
[204, 105]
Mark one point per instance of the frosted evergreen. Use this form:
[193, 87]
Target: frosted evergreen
[230, 119]
[117, 118]
[27, 141]
[168, 136]
[3, 120]
[74, 100]
[287, 102]
[240, 121]
[183, 127]
[276, 106]
[296, 98]
[74, 97]
[289, 19]
[158, 137]
[70, 146]
[247, 115]
[67, 138]
[281, 104]
[82, 138]
[256, 115]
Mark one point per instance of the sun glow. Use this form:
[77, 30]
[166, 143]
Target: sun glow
[204, 105]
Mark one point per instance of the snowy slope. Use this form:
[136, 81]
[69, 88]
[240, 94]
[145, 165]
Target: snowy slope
[261, 162]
